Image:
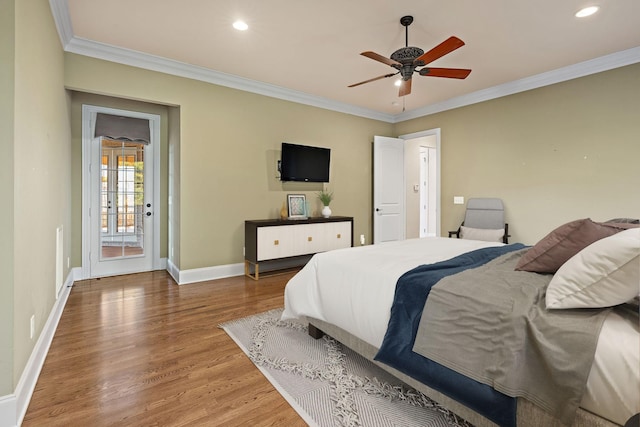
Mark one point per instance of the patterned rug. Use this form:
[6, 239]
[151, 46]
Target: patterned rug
[328, 384]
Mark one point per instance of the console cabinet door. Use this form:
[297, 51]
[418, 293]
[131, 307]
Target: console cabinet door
[338, 235]
[275, 242]
[310, 238]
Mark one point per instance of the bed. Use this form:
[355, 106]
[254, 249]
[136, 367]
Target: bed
[349, 294]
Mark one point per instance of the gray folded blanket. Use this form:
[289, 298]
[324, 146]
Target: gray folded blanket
[490, 324]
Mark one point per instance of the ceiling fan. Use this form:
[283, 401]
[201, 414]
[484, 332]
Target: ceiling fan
[407, 59]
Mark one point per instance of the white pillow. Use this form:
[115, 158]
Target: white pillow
[484, 234]
[603, 274]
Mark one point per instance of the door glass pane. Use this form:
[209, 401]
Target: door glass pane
[122, 199]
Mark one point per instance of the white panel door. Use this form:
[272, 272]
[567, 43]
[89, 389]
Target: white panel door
[388, 185]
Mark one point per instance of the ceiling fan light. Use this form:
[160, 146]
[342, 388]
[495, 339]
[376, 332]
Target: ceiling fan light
[398, 82]
[240, 26]
[587, 11]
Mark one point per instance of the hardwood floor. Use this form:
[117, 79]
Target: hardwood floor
[139, 350]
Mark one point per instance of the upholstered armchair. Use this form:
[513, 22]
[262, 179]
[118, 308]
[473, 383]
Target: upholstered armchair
[483, 220]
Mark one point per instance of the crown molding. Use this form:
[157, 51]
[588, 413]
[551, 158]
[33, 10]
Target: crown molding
[137, 59]
[581, 69]
[60, 12]
[80, 46]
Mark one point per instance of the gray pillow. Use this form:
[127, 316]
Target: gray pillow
[623, 221]
[562, 243]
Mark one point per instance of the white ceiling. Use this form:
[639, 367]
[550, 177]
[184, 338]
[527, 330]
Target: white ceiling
[309, 51]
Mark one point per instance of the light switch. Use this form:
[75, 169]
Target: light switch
[458, 200]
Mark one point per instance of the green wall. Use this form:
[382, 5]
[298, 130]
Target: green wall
[553, 154]
[40, 180]
[7, 96]
[227, 146]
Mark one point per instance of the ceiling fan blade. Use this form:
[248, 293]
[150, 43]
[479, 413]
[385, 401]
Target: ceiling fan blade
[373, 79]
[380, 58]
[447, 46]
[405, 88]
[452, 73]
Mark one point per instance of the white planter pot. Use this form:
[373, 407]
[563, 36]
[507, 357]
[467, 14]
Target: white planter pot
[326, 212]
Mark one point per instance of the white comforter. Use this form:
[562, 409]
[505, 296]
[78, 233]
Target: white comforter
[353, 289]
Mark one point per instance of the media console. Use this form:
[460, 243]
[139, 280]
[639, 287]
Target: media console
[293, 240]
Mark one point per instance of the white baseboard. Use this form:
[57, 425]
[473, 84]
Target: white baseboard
[173, 271]
[183, 277]
[8, 412]
[79, 272]
[13, 407]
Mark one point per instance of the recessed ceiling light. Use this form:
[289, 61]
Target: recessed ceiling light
[240, 25]
[587, 11]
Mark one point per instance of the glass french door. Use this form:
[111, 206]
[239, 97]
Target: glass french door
[122, 225]
[122, 208]
[120, 222]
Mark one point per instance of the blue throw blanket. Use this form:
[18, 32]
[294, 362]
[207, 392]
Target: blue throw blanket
[412, 291]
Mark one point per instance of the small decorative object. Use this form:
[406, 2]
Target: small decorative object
[297, 206]
[325, 197]
[283, 211]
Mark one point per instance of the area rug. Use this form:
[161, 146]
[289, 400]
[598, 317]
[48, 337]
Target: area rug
[327, 383]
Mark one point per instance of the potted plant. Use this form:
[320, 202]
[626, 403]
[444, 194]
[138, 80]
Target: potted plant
[325, 197]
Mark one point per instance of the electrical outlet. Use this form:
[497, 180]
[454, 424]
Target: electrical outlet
[362, 241]
[33, 325]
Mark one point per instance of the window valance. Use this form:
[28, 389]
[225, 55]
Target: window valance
[123, 128]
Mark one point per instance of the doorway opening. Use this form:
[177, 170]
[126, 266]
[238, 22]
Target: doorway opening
[406, 186]
[120, 193]
[427, 188]
[422, 183]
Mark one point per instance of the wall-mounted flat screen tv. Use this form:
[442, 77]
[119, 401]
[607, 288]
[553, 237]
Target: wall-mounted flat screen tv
[304, 163]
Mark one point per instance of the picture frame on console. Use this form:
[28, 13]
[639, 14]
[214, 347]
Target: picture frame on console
[297, 206]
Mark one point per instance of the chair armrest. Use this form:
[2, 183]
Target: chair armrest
[456, 233]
